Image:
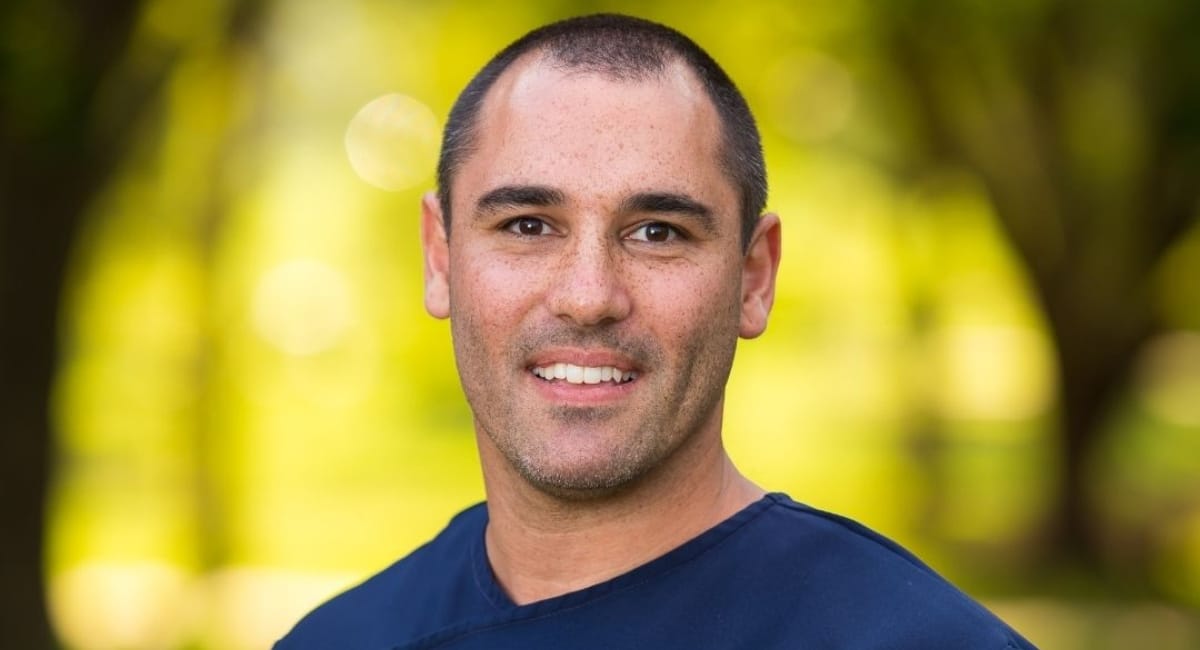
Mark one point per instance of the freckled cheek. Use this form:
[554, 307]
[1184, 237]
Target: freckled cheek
[680, 305]
[496, 294]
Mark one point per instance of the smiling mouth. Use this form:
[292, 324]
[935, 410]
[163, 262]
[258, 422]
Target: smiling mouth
[573, 374]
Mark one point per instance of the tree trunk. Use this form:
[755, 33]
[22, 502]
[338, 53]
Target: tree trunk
[993, 97]
[51, 162]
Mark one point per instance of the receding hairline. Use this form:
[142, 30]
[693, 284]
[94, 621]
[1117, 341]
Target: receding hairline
[618, 47]
[674, 69]
[546, 54]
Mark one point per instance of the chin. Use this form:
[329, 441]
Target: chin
[581, 483]
[587, 480]
[579, 489]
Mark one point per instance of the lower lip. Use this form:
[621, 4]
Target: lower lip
[562, 392]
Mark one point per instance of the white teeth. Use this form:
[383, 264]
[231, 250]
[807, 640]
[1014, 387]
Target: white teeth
[574, 374]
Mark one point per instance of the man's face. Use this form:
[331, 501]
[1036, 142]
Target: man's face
[594, 275]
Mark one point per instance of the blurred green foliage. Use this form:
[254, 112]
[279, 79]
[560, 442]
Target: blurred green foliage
[253, 410]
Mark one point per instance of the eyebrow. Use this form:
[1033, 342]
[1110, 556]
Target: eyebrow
[518, 196]
[540, 196]
[672, 203]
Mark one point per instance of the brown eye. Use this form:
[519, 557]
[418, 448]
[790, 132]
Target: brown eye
[527, 226]
[655, 231]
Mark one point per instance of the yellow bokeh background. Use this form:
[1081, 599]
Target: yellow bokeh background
[253, 410]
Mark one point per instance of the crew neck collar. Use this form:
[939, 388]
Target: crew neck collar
[485, 578]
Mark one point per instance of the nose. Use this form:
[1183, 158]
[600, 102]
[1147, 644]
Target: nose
[590, 288]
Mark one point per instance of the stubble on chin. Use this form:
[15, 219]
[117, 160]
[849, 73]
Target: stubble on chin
[581, 453]
[572, 452]
[577, 452]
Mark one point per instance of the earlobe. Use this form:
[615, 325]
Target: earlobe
[759, 268]
[437, 257]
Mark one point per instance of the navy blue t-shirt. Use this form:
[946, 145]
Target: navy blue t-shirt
[778, 574]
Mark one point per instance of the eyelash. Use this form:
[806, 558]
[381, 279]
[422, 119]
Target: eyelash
[673, 233]
[513, 226]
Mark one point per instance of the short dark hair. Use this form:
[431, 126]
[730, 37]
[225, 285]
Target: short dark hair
[625, 48]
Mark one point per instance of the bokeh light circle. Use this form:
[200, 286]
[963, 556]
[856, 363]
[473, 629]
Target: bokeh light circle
[392, 142]
[303, 307]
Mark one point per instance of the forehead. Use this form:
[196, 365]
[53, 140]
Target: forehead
[596, 137]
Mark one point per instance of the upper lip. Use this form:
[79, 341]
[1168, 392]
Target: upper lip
[595, 358]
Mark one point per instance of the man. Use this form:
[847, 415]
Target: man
[598, 247]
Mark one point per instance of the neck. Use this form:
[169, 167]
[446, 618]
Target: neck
[542, 545]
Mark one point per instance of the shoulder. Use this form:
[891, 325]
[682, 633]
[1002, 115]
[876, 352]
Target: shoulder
[797, 526]
[861, 582]
[401, 601]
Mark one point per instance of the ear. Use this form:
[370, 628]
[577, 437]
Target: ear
[437, 257]
[759, 267]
